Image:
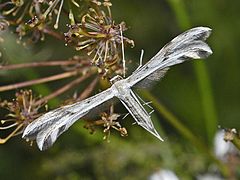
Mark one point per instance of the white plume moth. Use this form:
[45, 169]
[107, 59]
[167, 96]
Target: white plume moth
[188, 45]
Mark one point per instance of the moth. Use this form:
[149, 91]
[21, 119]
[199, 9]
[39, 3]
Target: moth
[186, 46]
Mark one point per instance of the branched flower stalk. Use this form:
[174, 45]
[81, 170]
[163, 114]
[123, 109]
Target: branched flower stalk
[22, 110]
[100, 37]
[92, 31]
[108, 121]
[34, 17]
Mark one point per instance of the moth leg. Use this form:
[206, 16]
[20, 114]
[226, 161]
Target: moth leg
[125, 116]
[146, 104]
[151, 112]
[140, 60]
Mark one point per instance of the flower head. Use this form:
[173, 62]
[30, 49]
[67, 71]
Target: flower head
[21, 111]
[108, 121]
[99, 36]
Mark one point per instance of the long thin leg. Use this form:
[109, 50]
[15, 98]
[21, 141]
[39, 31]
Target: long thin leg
[141, 60]
[125, 116]
[146, 103]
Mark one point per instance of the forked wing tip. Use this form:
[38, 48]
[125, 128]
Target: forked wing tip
[42, 143]
[26, 132]
[208, 30]
[41, 147]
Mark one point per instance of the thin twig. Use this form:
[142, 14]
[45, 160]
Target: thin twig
[64, 88]
[88, 90]
[53, 33]
[37, 64]
[2, 141]
[38, 81]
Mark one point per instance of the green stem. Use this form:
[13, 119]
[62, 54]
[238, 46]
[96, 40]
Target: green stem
[236, 141]
[203, 80]
[184, 131]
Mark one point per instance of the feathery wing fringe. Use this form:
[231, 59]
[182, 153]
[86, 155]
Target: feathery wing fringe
[186, 46]
[151, 79]
[47, 128]
[50, 126]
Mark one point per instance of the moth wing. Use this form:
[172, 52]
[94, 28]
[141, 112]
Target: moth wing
[150, 80]
[47, 128]
[186, 46]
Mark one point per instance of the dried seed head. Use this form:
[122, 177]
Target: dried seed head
[108, 121]
[99, 37]
[31, 17]
[21, 111]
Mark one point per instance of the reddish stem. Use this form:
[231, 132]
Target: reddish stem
[37, 64]
[53, 33]
[88, 90]
[64, 88]
[38, 81]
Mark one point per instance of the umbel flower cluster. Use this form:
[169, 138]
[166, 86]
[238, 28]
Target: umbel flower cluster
[92, 32]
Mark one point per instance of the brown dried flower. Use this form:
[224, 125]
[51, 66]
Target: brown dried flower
[108, 121]
[100, 37]
[21, 111]
[33, 16]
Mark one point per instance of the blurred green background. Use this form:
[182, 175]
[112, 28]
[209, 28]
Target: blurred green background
[201, 95]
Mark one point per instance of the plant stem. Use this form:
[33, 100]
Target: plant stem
[38, 81]
[37, 64]
[53, 33]
[184, 131]
[88, 90]
[236, 141]
[2, 141]
[203, 79]
[64, 88]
